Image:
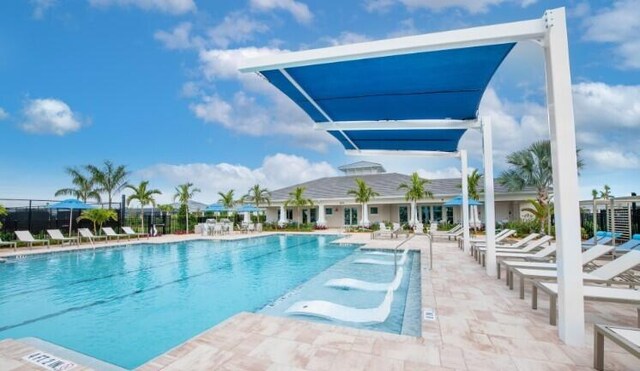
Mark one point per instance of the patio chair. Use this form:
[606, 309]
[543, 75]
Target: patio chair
[333, 311]
[258, 227]
[56, 235]
[633, 243]
[403, 259]
[13, 244]
[605, 274]
[383, 231]
[521, 242]
[588, 257]
[112, 234]
[473, 241]
[596, 238]
[350, 283]
[251, 227]
[86, 233]
[590, 293]
[26, 237]
[626, 337]
[515, 252]
[130, 232]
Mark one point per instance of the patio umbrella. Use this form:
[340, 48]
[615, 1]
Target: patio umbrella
[247, 209]
[217, 208]
[457, 201]
[71, 204]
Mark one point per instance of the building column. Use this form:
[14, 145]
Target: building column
[247, 217]
[489, 200]
[283, 216]
[465, 201]
[322, 220]
[365, 216]
[412, 217]
[565, 179]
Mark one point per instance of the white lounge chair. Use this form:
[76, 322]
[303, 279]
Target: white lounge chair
[480, 242]
[86, 233]
[56, 235]
[333, 311]
[502, 253]
[626, 337]
[591, 293]
[403, 259]
[588, 257]
[27, 237]
[111, 233]
[130, 232]
[383, 231]
[604, 274]
[350, 283]
[518, 244]
[9, 243]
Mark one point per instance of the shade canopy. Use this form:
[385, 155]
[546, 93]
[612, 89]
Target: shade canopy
[247, 209]
[457, 201]
[432, 85]
[217, 208]
[71, 204]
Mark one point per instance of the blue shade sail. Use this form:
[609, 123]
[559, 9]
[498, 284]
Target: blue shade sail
[457, 201]
[436, 85]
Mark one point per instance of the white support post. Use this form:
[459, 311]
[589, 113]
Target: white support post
[489, 201]
[283, 216]
[246, 217]
[412, 219]
[465, 201]
[565, 179]
[365, 216]
[322, 220]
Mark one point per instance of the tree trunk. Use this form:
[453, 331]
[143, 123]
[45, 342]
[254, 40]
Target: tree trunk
[187, 219]
[142, 218]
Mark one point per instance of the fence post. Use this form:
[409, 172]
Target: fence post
[122, 211]
[29, 217]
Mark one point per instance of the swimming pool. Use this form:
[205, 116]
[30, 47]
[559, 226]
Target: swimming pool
[127, 305]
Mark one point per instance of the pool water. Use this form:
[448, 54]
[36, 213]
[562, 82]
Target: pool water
[127, 305]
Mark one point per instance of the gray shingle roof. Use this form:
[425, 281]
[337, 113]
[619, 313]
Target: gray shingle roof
[360, 165]
[385, 184]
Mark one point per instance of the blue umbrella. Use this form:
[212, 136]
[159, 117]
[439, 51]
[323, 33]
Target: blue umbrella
[247, 209]
[457, 201]
[70, 204]
[217, 208]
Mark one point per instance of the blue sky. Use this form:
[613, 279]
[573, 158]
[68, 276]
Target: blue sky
[153, 84]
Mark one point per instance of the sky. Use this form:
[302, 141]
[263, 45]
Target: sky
[153, 85]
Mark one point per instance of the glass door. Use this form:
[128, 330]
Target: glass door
[350, 216]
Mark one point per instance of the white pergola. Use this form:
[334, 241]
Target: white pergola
[550, 33]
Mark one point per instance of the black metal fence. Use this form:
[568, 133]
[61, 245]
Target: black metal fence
[586, 220]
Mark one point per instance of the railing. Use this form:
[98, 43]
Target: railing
[395, 253]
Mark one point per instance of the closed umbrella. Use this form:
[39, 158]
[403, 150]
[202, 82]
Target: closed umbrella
[71, 204]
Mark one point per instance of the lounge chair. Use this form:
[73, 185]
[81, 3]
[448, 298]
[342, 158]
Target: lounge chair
[333, 311]
[111, 233]
[383, 231]
[474, 241]
[13, 244]
[595, 239]
[403, 259]
[588, 257]
[27, 237]
[591, 293]
[56, 235]
[130, 232]
[510, 253]
[520, 243]
[604, 274]
[633, 243]
[626, 337]
[350, 283]
[86, 233]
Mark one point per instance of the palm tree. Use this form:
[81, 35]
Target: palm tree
[84, 187]
[532, 167]
[415, 191]
[541, 213]
[98, 217]
[184, 193]
[111, 179]
[3, 212]
[258, 196]
[363, 194]
[144, 197]
[594, 195]
[473, 190]
[605, 193]
[297, 199]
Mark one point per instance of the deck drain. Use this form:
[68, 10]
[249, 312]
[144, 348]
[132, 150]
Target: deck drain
[49, 361]
[429, 314]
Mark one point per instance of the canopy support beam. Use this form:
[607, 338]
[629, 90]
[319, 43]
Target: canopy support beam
[465, 201]
[565, 179]
[489, 200]
[398, 125]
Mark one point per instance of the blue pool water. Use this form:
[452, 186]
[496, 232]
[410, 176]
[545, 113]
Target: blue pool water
[127, 305]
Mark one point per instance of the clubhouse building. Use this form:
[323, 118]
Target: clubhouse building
[334, 208]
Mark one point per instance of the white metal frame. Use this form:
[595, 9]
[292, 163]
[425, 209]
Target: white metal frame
[551, 34]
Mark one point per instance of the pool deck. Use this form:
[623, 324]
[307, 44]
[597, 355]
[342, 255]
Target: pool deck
[480, 325]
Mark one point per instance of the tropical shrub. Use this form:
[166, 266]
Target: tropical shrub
[98, 217]
[523, 227]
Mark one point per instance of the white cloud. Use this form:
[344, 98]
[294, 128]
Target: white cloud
[50, 116]
[448, 172]
[471, 6]
[235, 27]
[165, 6]
[179, 38]
[619, 26]
[223, 63]
[276, 171]
[599, 105]
[298, 10]
[407, 28]
[612, 158]
[40, 7]
[345, 37]
[3, 114]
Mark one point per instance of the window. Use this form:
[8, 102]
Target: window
[450, 214]
[437, 213]
[289, 214]
[374, 211]
[328, 211]
[404, 214]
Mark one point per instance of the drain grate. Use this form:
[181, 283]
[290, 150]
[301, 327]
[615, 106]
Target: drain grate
[429, 314]
[49, 361]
